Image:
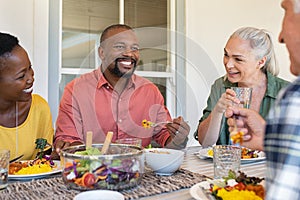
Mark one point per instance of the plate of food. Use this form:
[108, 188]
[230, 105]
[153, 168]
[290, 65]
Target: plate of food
[33, 169]
[248, 155]
[232, 186]
[198, 192]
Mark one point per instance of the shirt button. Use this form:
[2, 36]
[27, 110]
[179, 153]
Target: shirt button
[120, 120]
[107, 87]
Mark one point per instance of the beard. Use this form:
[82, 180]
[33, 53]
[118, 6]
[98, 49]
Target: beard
[116, 70]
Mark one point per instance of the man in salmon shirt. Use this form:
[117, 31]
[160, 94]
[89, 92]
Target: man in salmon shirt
[113, 98]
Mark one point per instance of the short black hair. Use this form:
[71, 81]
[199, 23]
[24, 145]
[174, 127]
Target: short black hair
[7, 43]
[112, 27]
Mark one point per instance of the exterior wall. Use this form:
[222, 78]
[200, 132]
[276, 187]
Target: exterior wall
[208, 26]
[28, 20]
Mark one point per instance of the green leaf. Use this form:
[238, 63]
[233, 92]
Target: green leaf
[40, 144]
[231, 175]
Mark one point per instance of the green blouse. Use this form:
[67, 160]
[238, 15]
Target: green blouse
[275, 84]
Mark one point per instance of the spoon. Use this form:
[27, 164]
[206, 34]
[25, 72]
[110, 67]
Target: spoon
[89, 139]
[107, 142]
[15, 159]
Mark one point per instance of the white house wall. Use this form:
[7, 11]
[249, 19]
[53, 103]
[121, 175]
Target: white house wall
[28, 20]
[208, 26]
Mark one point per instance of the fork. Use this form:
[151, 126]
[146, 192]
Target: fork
[160, 123]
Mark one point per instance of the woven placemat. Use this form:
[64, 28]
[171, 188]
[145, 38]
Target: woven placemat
[54, 188]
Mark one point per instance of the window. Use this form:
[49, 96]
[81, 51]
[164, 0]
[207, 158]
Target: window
[84, 20]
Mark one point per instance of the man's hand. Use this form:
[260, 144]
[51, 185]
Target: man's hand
[179, 131]
[61, 145]
[249, 122]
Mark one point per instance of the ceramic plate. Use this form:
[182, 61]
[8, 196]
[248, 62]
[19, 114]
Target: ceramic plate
[203, 154]
[197, 193]
[99, 195]
[55, 170]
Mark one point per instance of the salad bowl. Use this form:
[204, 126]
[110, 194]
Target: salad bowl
[122, 167]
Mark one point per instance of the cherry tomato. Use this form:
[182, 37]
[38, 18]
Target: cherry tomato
[88, 179]
[228, 188]
[240, 186]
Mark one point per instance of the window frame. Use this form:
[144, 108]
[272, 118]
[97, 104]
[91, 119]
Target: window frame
[176, 84]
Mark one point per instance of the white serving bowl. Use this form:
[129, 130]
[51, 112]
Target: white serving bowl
[99, 195]
[163, 161]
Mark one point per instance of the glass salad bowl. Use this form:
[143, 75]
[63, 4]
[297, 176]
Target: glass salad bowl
[86, 169]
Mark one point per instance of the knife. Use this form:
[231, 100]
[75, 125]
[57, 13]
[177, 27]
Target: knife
[15, 159]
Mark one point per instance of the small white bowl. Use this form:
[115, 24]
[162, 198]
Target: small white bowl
[99, 195]
[163, 161]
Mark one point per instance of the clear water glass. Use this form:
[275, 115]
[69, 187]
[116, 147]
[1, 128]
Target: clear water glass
[131, 141]
[226, 158]
[4, 164]
[244, 94]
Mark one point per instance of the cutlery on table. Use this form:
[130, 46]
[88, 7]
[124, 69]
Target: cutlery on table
[16, 158]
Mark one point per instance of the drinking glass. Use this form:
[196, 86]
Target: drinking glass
[131, 141]
[4, 163]
[244, 94]
[226, 158]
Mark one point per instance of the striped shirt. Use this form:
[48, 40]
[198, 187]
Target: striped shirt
[282, 145]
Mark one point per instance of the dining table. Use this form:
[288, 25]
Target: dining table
[193, 170]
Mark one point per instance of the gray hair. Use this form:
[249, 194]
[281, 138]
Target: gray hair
[262, 45]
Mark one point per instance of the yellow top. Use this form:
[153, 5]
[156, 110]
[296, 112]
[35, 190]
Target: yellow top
[38, 124]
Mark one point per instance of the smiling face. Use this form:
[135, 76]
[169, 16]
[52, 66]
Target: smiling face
[290, 33]
[240, 62]
[120, 52]
[16, 76]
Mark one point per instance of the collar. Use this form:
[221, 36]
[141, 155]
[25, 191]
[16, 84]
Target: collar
[272, 89]
[102, 82]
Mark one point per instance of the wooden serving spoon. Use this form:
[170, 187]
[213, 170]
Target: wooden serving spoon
[107, 142]
[89, 139]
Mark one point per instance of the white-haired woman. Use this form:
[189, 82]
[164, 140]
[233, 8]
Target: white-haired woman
[249, 61]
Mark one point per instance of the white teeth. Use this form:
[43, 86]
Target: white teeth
[28, 90]
[125, 62]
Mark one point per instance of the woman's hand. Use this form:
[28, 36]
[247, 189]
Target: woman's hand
[226, 99]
